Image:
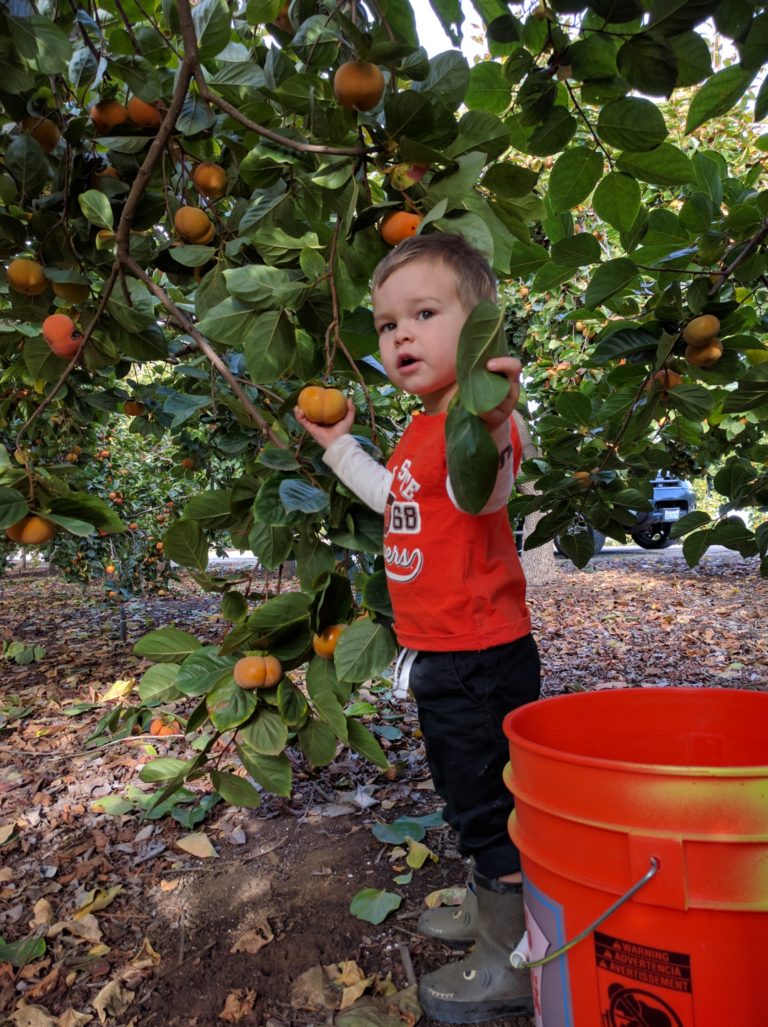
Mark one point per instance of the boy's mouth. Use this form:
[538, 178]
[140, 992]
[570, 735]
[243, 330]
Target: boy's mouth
[406, 360]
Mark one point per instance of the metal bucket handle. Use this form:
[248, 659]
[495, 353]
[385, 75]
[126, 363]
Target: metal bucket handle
[519, 958]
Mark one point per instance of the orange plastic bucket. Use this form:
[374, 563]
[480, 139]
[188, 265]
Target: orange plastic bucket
[669, 785]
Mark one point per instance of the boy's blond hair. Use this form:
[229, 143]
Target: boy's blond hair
[474, 279]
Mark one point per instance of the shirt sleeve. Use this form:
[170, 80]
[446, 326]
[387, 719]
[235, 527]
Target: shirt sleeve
[504, 436]
[368, 479]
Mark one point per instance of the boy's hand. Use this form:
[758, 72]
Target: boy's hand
[511, 368]
[325, 434]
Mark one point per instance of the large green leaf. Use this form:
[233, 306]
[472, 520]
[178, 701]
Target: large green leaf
[573, 177]
[609, 279]
[41, 43]
[269, 345]
[649, 64]
[166, 645]
[364, 650]
[374, 905]
[13, 506]
[229, 705]
[273, 773]
[158, 684]
[362, 741]
[267, 734]
[201, 670]
[186, 543]
[665, 165]
[632, 123]
[617, 200]
[318, 742]
[472, 457]
[280, 612]
[718, 94]
[482, 337]
[235, 790]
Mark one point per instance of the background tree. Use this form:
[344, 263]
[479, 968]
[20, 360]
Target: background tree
[194, 199]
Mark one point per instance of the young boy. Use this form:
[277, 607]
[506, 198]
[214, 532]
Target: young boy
[458, 595]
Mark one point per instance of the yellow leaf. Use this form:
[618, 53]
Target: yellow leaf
[418, 854]
[238, 1005]
[445, 897]
[197, 845]
[97, 899]
[146, 957]
[118, 690]
[6, 830]
[254, 939]
[112, 1000]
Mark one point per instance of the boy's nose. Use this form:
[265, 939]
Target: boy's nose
[402, 334]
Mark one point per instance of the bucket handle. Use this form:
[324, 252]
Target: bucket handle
[519, 959]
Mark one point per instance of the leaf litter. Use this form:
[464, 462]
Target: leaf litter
[106, 919]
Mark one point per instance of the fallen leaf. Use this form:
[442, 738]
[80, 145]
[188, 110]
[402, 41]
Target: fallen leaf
[418, 854]
[255, 938]
[312, 990]
[445, 897]
[6, 830]
[197, 845]
[171, 885]
[112, 1000]
[146, 957]
[238, 1004]
[74, 1019]
[96, 900]
[42, 913]
[31, 1016]
[118, 690]
[348, 976]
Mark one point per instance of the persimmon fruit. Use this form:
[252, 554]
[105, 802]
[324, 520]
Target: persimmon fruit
[701, 330]
[210, 180]
[31, 530]
[108, 114]
[72, 292]
[134, 407]
[704, 356]
[44, 131]
[324, 643]
[664, 380]
[257, 672]
[358, 85]
[188, 463]
[322, 406]
[399, 225]
[192, 224]
[27, 276]
[61, 335]
[143, 114]
[159, 728]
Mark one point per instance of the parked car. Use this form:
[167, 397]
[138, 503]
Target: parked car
[673, 498]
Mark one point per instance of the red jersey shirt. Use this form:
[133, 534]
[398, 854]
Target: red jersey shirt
[454, 578]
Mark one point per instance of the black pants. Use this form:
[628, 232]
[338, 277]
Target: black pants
[462, 699]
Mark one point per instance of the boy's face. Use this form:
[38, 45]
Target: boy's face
[419, 316]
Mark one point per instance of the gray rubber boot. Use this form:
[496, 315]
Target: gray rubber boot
[483, 985]
[452, 925]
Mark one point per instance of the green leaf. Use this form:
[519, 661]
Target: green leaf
[622, 344]
[579, 547]
[166, 645]
[297, 494]
[609, 279]
[488, 88]
[267, 734]
[292, 704]
[158, 684]
[330, 711]
[165, 768]
[40, 43]
[19, 953]
[632, 124]
[481, 338]
[13, 506]
[576, 251]
[362, 741]
[364, 649]
[398, 830]
[185, 542]
[666, 165]
[374, 905]
[202, 670]
[211, 509]
[271, 543]
[472, 457]
[282, 611]
[718, 94]
[509, 179]
[617, 200]
[235, 790]
[269, 346]
[318, 742]
[96, 209]
[648, 64]
[573, 177]
[553, 134]
[273, 773]
[229, 705]
[234, 606]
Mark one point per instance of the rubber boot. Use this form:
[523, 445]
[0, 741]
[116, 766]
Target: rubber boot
[483, 985]
[452, 925]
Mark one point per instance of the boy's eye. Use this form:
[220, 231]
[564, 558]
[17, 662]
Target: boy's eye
[426, 314]
[388, 326]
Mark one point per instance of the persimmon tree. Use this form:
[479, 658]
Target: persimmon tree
[191, 188]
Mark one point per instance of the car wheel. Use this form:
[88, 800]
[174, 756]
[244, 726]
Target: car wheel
[655, 537]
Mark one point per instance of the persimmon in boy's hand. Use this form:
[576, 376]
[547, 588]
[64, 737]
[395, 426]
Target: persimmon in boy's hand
[325, 434]
[511, 368]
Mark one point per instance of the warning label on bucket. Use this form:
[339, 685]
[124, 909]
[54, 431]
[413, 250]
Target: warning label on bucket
[641, 985]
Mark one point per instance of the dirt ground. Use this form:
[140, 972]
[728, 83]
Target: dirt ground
[284, 875]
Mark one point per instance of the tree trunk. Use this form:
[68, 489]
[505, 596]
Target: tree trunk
[538, 564]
